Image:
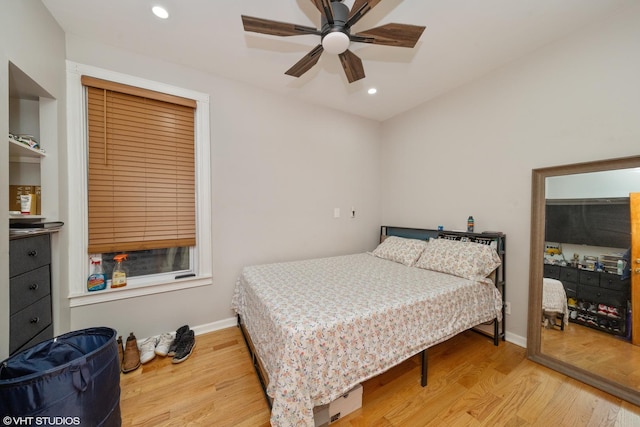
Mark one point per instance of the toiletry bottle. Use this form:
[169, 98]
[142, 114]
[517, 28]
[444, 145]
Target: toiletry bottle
[470, 224]
[97, 281]
[119, 276]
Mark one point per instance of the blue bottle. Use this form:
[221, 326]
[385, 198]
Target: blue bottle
[97, 281]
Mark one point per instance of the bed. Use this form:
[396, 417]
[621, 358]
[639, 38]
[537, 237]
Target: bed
[554, 303]
[317, 328]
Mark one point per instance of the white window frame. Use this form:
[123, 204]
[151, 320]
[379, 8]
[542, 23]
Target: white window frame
[77, 226]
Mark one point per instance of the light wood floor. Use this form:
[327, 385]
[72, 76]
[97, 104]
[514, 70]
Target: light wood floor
[471, 383]
[596, 351]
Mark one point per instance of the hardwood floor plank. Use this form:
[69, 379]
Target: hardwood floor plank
[539, 399]
[629, 415]
[424, 411]
[470, 383]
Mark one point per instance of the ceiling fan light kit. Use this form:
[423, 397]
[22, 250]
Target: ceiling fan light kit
[336, 42]
[336, 36]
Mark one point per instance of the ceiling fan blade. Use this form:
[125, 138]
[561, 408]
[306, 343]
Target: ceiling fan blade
[324, 6]
[401, 35]
[275, 28]
[318, 4]
[305, 64]
[352, 66]
[359, 9]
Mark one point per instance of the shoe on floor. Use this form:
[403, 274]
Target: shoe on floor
[181, 331]
[120, 351]
[148, 349]
[185, 347]
[164, 342]
[131, 358]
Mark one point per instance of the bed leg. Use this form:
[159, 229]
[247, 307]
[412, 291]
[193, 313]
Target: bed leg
[423, 380]
[496, 332]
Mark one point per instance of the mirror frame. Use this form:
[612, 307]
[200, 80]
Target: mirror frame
[536, 261]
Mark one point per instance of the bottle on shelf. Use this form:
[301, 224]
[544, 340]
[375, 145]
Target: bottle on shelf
[97, 280]
[470, 224]
[119, 276]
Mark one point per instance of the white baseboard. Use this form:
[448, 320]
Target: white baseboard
[516, 339]
[215, 326]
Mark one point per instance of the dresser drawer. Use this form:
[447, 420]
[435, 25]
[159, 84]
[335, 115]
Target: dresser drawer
[612, 281]
[602, 296]
[45, 334]
[28, 253]
[590, 278]
[28, 322]
[29, 287]
[571, 292]
[551, 271]
[568, 274]
[571, 289]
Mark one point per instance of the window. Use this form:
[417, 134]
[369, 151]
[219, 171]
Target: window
[141, 183]
[141, 168]
[142, 186]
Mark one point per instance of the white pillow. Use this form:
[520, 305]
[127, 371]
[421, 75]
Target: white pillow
[470, 260]
[399, 249]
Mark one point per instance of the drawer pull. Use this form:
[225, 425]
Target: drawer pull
[33, 287]
[33, 253]
[34, 319]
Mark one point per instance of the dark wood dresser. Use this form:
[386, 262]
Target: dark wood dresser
[31, 319]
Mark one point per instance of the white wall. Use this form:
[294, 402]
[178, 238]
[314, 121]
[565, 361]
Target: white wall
[39, 52]
[279, 168]
[471, 151]
[615, 183]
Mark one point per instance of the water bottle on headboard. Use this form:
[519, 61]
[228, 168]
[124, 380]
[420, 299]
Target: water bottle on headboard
[470, 224]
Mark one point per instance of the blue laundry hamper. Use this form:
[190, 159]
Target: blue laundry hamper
[72, 379]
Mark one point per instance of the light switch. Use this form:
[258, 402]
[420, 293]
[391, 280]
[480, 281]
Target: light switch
[336, 212]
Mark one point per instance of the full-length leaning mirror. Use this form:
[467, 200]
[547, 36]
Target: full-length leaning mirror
[584, 268]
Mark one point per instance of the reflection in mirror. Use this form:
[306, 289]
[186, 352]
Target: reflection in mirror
[582, 274]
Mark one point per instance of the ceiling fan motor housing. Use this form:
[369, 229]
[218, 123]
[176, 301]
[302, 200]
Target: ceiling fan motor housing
[335, 37]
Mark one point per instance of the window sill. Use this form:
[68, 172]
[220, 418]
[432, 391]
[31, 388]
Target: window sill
[106, 295]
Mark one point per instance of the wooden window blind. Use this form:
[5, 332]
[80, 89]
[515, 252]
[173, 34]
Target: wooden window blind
[141, 168]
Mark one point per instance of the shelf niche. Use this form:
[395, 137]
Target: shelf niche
[32, 111]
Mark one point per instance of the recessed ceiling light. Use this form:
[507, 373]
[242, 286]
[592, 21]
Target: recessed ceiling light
[160, 12]
[372, 91]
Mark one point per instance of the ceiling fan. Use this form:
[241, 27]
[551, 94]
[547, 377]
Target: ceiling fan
[335, 33]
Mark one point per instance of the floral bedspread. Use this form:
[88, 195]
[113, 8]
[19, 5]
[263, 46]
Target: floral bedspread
[554, 297]
[322, 326]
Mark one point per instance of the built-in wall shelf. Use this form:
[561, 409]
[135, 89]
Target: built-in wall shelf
[19, 152]
[31, 110]
[22, 217]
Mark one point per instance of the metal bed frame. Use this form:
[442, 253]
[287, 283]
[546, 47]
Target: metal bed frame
[421, 234]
